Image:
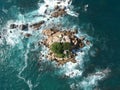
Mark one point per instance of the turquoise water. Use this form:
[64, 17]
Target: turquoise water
[19, 65]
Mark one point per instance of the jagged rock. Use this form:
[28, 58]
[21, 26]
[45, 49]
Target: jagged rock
[75, 31]
[56, 7]
[49, 41]
[12, 26]
[23, 27]
[28, 35]
[58, 13]
[82, 38]
[66, 39]
[56, 39]
[48, 32]
[54, 36]
[55, 14]
[37, 25]
[81, 45]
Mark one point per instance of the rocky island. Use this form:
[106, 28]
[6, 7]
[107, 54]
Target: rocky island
[62, 45]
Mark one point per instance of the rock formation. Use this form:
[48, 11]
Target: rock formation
[57, 36]
[37, 25]
[24, 27]
[58, 12]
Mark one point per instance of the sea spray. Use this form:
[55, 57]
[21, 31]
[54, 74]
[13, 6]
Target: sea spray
[28, 82]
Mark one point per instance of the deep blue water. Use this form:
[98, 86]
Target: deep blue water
[105, 19]
[104, 16]
[101, 21]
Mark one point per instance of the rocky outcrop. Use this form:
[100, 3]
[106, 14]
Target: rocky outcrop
[37, 25]
[54, 35]
[27, 35]
[26, 26]
[23, 27]
[58, 12]
[12, 26]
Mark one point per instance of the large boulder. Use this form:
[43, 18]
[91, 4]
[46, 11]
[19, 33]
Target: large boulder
[23, 27]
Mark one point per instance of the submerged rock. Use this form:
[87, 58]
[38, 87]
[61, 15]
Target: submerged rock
[28, 35]
[13, 26]
[23, 27]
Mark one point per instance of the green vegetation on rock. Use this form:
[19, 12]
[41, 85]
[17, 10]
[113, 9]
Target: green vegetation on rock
[59, 48]
[66, 46]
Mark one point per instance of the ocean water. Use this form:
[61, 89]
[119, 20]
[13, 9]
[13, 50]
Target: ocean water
[97, 68]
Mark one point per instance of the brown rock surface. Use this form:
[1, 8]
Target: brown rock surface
[54, 35]
[27, 35]
[37, 25]
[58, 12]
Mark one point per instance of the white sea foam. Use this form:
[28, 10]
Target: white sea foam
[28, 82]
[74, 69]
[91, 81]
[86, 7]
[12, 38]
[51, 5]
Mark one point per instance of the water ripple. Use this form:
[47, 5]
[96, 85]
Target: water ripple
[3, 17]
